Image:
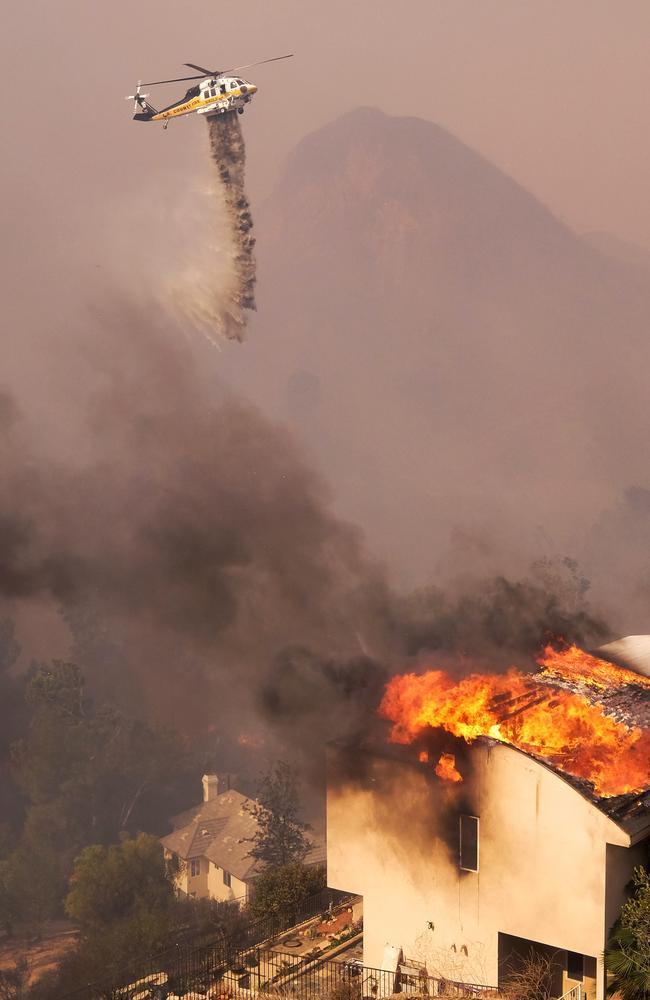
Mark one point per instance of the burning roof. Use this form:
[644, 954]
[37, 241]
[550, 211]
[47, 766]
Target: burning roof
[631, 652]
[578, 713]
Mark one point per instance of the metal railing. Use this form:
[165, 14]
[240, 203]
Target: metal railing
[185, 961]
[575, 993]
[272, 974]
[250, 964]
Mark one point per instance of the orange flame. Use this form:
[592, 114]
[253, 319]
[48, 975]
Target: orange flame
[567, 729]
[573, 664]
[423, 757]
[250, 740]
[446, 768]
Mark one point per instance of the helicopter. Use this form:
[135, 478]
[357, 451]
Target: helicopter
[218, 92]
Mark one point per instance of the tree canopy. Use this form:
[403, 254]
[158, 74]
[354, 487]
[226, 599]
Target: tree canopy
[87, 775]
[112, 883]
[281, 836]
[628, 954]
[281, 889]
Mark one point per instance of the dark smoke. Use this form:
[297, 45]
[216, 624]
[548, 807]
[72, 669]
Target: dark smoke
[193, 536]
[201, 569]
[497, 621]
[229, 155]
[319, 699]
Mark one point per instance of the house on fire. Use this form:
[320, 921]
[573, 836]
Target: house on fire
[213, 842]
[466, 877]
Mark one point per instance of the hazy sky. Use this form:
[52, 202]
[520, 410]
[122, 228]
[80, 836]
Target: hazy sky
[554, 92]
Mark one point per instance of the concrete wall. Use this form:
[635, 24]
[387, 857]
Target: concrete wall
[393, 838]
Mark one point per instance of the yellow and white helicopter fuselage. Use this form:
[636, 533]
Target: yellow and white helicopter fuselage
[217, 92]
[213, 96]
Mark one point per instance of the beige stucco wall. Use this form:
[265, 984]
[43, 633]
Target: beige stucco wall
[208, 883]
[216, 887]
[620, 865]
[393, 838]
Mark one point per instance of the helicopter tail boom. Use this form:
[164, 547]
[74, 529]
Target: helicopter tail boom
[146, 115]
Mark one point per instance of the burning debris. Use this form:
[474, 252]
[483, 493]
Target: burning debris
[228, 152]
[446, 768]
[580, 714]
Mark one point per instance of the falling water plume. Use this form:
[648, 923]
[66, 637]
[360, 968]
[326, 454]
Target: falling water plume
[229, 155]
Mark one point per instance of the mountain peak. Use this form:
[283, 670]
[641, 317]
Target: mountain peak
[371, 181]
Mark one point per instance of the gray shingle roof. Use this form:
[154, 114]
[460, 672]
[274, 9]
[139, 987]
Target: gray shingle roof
[222, 831]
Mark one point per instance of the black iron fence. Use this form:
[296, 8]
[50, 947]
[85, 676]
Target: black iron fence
[256, 962]
[273, 974]
[186, 962]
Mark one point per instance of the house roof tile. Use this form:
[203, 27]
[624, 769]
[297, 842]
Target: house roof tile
[222, 830]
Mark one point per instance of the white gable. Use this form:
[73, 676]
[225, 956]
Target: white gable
[632, 652]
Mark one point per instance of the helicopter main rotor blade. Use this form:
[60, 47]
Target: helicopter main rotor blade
[206, 72]
[236, 69]
[178, 79]
[213, 72]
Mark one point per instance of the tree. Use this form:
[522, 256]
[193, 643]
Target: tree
[123, 899]
[280, 838]
[280, 889]
[530, 979]
[88, 775]
[13, 720]
[628, 952]
[109, 884]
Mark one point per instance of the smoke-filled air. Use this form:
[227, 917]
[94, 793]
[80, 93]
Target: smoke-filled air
[370, 477]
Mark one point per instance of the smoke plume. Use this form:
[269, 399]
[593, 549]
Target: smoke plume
[200, 567]
[188, 524]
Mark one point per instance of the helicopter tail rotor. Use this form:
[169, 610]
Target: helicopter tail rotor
[143, 111]
[137, 98]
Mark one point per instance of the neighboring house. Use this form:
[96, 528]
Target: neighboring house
[466, 877]
[213, 841]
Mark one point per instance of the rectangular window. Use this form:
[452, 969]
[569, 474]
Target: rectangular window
[226, 878]
[575, 966]
[195, 867]
[469, 843]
